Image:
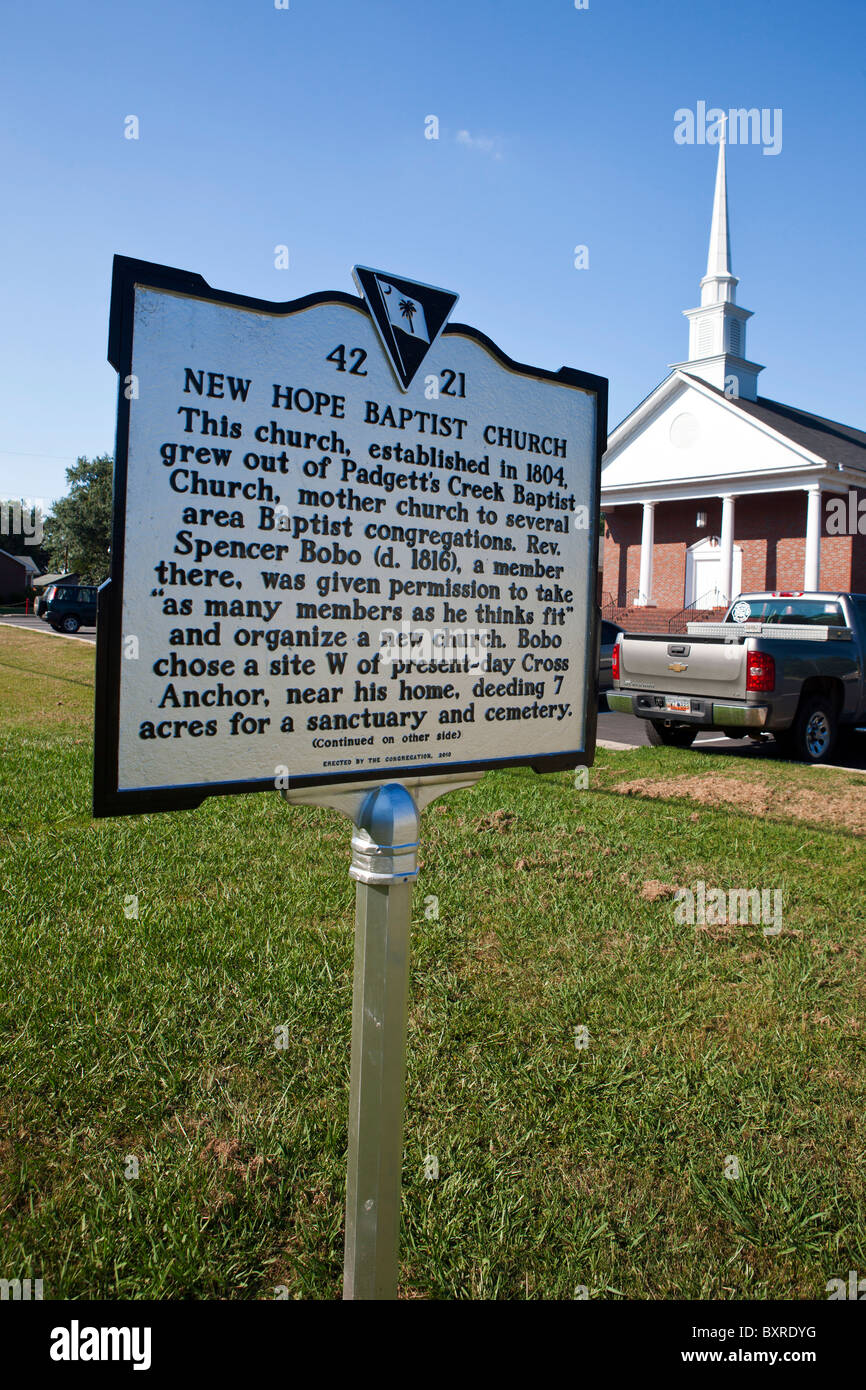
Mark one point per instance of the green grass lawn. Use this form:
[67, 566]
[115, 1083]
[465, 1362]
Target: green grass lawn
[153, 1037]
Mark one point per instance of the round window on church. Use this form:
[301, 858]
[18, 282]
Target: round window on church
[684, 431]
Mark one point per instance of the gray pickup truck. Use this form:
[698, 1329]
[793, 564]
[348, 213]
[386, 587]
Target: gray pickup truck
[792, 665]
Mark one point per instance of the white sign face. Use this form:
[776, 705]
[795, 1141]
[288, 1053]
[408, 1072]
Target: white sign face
[321, 574]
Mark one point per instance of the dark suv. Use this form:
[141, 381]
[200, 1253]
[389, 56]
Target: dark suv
[67, 607]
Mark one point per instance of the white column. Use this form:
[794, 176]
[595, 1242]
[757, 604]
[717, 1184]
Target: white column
[812, 567]
[646, 554]
[726, 543]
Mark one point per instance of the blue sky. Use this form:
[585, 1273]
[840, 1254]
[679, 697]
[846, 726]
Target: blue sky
[305, 127]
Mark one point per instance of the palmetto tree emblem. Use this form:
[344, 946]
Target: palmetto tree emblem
[408, 316]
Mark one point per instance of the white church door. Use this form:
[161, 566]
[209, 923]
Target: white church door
[703, 573]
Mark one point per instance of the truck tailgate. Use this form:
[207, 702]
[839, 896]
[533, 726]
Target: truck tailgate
[684, 666]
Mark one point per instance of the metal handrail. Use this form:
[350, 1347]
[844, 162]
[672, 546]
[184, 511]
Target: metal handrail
[612, 605]
[696, 607]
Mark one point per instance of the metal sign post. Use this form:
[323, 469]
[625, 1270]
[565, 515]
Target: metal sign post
[384, 867]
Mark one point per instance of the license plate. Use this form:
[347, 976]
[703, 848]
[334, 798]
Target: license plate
[678, 706]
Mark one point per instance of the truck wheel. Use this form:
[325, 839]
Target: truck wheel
[665, 731]
[812, 736]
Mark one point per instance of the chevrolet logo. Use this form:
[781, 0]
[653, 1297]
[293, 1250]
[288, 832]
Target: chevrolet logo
[677, 666]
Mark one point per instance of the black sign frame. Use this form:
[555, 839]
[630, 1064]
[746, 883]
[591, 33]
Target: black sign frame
[108, 798]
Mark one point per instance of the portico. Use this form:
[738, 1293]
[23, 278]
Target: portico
[727, 519]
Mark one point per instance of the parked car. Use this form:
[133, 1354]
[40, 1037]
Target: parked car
[789, 664]
[67, 607]
[46, 582]
[609, 634]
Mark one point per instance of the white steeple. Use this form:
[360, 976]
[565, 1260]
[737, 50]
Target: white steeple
[717, 330]
[719, 256]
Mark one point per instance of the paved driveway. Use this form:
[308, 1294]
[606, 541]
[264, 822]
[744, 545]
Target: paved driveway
[84, 634]
[624, 729]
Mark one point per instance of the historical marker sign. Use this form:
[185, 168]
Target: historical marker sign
[352, 541]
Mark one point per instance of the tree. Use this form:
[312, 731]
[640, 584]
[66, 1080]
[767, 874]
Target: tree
[78, 532]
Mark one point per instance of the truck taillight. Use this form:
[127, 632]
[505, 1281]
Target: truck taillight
[615, 662]
[760, 671]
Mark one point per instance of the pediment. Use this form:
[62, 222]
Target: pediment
[684, 432]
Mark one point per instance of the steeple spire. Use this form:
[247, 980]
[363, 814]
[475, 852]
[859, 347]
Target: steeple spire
[719, 258]
[717, 329]
[719, 286]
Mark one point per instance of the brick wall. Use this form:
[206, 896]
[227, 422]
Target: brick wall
[770, 530]
[843, 558]
[621, 569]
[675, 531]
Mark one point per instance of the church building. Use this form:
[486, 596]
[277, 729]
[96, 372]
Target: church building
[709, 489]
